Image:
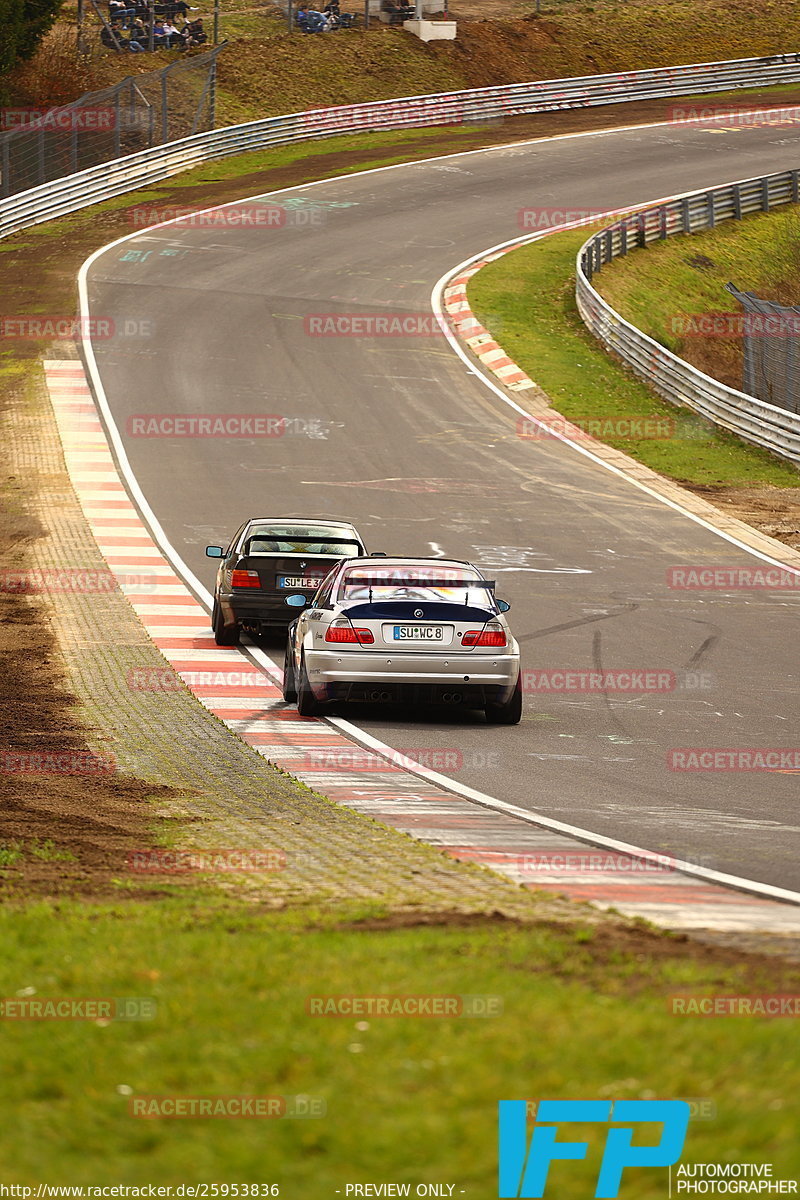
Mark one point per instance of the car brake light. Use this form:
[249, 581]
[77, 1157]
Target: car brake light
[484, 637]
[346, 633]
[245, 579]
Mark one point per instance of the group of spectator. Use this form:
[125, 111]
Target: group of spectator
[129, 26]
[311, 20]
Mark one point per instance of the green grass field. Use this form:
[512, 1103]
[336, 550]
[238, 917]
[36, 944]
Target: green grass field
[531, 291]
[584, 1015]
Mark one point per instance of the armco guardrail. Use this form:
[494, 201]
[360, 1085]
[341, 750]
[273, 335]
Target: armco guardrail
[775, 429]
[73, 192]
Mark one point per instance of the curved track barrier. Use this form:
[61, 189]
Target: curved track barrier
[73, 192]
[763, 424]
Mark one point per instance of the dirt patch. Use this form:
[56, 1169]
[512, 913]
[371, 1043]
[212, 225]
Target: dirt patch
[414, 920]
[600, 943]
[773, 510]
[70, 831]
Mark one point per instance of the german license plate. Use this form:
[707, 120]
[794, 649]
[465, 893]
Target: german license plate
[299, 581]
[418, 633]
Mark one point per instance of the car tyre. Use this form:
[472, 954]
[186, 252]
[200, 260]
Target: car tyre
[307, 703]
[289, 688]
[509, 713]
[224, 635]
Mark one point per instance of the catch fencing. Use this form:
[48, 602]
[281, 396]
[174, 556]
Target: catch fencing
[758, 421]
[771, 343]
[141, 112]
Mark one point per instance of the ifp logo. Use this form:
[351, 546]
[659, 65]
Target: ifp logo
[524, 1169]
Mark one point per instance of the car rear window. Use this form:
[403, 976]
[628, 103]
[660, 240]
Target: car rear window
[425, 582]
[302, 539]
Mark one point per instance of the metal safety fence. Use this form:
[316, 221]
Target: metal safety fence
[77, 190]
[756, 420]
[140, 112]
[771, 345]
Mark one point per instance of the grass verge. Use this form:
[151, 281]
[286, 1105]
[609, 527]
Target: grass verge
[531, 291]
[585, 1012]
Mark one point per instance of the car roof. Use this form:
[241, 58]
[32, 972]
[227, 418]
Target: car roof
[380, 561]
[300, 521]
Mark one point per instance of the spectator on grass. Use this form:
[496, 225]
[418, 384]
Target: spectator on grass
[313, 21]
[172, 35]
[194, 34]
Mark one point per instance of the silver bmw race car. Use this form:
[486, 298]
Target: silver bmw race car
[423, 629]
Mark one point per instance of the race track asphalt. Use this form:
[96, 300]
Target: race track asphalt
[398, 436]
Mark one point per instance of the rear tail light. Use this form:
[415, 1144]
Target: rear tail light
[245, 579]
[346, 633]
[484, 637]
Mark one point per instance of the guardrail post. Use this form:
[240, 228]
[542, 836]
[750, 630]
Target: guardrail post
[641, 230]
[737, 202]
[609, 239]
[711, 216]
[686, 216]
[662, 222]
[598, 254]
[623, 239]
[795, 183]
[764, 193]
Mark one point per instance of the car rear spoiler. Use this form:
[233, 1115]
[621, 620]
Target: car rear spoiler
[317, 541]
[413, 581]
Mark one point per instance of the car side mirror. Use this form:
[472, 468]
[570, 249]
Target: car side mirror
[297, 602]
[503, 605]
[215, 552]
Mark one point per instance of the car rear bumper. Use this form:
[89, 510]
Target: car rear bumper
[374, 675]
[266, 609]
